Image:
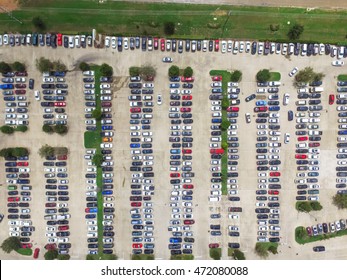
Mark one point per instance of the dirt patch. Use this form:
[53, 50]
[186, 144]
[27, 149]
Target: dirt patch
[8, 5]
[220, 13]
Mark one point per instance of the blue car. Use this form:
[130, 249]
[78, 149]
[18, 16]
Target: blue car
[135, 145]
[107, 127]
[260, 103]
[107, 192]
[93, 210]
[107, 180]
[175, 85]
[175, 151]
[217, 90]
[90, 216]
[175, 79]
[274, 108]
[342, 132]
[175, 240]
[9, 98]
[216, 120]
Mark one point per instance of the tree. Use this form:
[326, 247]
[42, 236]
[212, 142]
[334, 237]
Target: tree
[134, 71]
[304, 207]
[316, 206]
[18, 66]
[340, 201]
[84, 66]
[97, 160]
[260, 250]
[147, 72]
[61, 129]
[63, 257]
[6, 152]
[263, 76]
[7, 129]
[174, 71]
[238, 255]
[59, 66]
[38, 23]
[20, 152]
[106, 70]
[59, 151]
[10, 244]
[225, 102]
[4, 67]
[215, 253]
[44, 65]
[236, 76]
[96, 113]
[273, 250]
[22, 128]
[307, 75]
[51, 254]
[46, 151]
[295, 31]
[169, 28]
[47, 128]
[225, 124]
[301, 233]
[224, 145]
[188, 72]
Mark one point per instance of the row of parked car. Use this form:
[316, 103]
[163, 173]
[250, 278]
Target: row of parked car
[142, 173]
[54, 92]
[268, 162]
[56, 206]
[18, 200]
[326, 228]
[14, 90]
[308, 141]
[182, 239]
[341, 156]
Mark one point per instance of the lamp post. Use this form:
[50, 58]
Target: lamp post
[229, 14]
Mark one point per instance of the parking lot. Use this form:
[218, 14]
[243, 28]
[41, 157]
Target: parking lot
[202, 63]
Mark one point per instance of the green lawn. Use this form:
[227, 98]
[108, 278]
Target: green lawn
[25, 251]
[195, 21]
[342, 77]
[143, 257]
[275, 76]
[182, 257]
[224, 168]
[309, 239]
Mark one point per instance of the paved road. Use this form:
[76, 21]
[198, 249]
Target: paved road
[341, 4]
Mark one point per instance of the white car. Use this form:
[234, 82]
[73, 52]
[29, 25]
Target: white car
[148, 85]
[37, 95]
[105, 86]
[216, 108]
[293, 72]
[224, 46]
[106, 145]
[159, 99]
[167, 59]
[48, 80]
[337, 63]
[286, 138]
[107, 41]
[114, 42]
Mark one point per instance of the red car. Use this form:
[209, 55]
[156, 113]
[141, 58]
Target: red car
[136, 204]
[303, 138]
[185, 186]
[216, 151]
[233, 109]
[20, 86]
[309, 231]
[22, 163]
[60, 104]
[213, 245]
[187, 97]
[217, 78]
[273, 192]
[187, 151]
[26, 245]
[331, 99]
[20, 91]
[59, 39]
[51, 246]
[275, 174]
[162, 45]
[314, 144]
[216, 45]
[175, 175]
[188, 79]
[62, 157]
[51, 204]
[189, 222]
[137, 245]
[36, 253]
[184, 109]
[63, 227]
[156, 43]
[13, 198]
[135, 110]
[260, 109]
[300, 156]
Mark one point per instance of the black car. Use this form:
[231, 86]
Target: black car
[319, 249]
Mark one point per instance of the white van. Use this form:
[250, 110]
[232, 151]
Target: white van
[300, 102]
[341, 96]
[302, 90]
[214, 198]
[317, 89]
[216, 139]
[22, 104]
[147, 116]
[274, 84]
[92, 234]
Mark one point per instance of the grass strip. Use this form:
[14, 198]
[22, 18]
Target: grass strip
[224, 168]
[275, 76]
[192, 21]
[304, 238]
[342, 78]
[182, 257]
